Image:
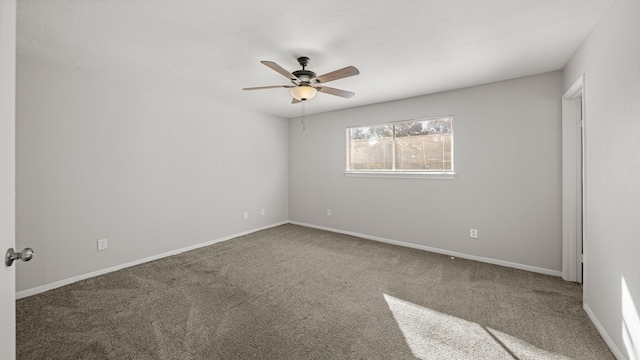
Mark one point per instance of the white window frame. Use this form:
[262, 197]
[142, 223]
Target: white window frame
[422, 174]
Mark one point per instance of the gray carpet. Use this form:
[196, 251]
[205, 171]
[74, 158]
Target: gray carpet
[292, 292]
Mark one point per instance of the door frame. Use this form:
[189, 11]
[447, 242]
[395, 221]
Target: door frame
[573, 180]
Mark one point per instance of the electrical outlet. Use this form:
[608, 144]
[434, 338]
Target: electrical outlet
[102, 244]
[262, 211]
[473, 233]
[246, 215]
[328, 212]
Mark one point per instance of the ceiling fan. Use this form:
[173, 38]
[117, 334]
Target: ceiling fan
[305, 83]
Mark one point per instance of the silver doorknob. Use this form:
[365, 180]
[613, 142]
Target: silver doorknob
[11, 256]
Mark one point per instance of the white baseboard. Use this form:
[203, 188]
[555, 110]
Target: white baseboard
[57, 284]
[612, 345]
[439, 251]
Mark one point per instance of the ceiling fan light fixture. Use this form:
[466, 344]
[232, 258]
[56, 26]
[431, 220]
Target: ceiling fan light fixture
[303, 92]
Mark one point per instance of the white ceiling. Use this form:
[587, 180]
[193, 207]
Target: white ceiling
[402, 48]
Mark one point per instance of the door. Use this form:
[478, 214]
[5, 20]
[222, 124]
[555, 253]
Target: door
[7, 174]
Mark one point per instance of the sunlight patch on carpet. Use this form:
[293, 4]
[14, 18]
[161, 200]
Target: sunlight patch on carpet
[433, 335]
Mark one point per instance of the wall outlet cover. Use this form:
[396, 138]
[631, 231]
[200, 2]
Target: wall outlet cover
[102, 244]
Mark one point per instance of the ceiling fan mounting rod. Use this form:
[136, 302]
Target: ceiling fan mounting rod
[303, 77]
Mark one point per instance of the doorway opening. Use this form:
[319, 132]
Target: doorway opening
[573, 181]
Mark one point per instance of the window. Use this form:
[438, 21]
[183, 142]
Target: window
[422, 147]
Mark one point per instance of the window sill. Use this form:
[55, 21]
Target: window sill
[401, 175]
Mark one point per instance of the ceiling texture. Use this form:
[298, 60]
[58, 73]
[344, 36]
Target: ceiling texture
[402, 48]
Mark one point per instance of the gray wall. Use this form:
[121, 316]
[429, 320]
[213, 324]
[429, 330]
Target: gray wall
[610, 60]
[152, 170]
[508, 183]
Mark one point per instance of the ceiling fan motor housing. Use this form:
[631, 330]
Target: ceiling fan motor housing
[305, 76]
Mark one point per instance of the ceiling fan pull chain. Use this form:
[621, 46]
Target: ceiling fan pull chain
[304, 114]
